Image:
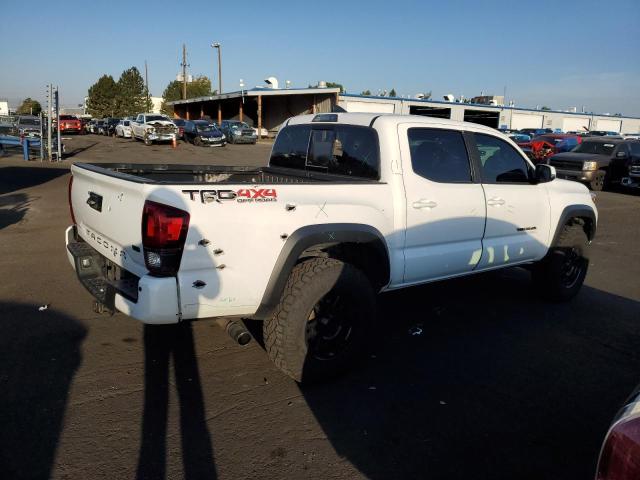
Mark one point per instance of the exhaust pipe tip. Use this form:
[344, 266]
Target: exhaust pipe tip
[237, 331]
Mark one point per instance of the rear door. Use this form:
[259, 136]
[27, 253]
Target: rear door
[518, 212]
[445, 206]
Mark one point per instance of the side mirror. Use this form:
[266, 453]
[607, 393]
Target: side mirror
[622, 155]
[545, 173]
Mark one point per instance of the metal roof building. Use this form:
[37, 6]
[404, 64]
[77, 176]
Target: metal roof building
[264, 108]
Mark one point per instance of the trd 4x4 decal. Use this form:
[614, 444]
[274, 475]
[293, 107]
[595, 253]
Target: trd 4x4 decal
[243, 195]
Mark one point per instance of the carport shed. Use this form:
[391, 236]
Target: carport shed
[259, 107]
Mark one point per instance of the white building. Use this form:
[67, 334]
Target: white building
[4, 107]
[492, 116]
[157, 104]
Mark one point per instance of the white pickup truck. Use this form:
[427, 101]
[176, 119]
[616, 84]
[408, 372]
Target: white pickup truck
[349, 206]
[152, 127]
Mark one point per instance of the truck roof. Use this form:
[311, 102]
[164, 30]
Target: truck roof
[366, 119]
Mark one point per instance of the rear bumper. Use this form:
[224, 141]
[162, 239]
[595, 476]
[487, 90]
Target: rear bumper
[152, 300]
[244, 139]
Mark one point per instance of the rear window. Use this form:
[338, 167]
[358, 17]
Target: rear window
[67, 117]
[337, 149]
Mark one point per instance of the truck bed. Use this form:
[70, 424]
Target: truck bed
[171, 174]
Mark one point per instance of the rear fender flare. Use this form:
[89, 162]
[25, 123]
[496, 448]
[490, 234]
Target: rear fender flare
[309, 236]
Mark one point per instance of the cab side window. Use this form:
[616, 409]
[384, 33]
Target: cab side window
[499, 161]
[439, 155]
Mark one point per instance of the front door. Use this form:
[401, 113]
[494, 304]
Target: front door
[445, 206]
[518, 212]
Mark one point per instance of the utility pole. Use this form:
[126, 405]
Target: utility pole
[184, 71]
[59, 156]
[49, 117]
[147, 99]
[217, 46]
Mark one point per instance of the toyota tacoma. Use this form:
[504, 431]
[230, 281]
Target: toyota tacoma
[350, 205]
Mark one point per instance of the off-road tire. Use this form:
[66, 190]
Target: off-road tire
[597, 184]
[286, 332]
[561, 273]
[147, 141]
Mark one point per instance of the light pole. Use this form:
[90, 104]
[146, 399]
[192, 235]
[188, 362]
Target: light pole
[217, 46]
[242, 96]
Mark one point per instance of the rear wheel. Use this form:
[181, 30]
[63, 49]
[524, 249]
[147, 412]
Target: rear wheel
[561, 273]
[321, 324]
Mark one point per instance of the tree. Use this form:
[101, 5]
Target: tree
[131, 94]
[544, 107]
[200, 87]
[366, 92]
[29, 107]
[335, 85]
[392, 93]
[101, 100]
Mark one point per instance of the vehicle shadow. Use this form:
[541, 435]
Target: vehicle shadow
[17, 178]
[476, 378]
[163, 343]
[13, 208]
[40, 352]
[76, 151]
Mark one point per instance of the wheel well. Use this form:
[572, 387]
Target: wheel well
[587, 223]
[370, 257]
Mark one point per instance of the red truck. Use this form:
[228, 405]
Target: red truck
[70, 123]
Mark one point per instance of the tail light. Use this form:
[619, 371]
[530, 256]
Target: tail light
[620, 454]
[164, 232]
[73, 217]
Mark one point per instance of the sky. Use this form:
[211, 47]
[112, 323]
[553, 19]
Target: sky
[558, 53]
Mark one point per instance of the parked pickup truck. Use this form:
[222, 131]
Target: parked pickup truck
[151, 127]
[351, 204]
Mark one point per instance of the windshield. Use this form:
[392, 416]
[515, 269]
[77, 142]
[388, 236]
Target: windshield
[239, 125]
[599, 148]
[153, 118]
[125, 123]
[206, 128]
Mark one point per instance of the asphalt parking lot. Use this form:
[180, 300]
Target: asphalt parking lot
[499, 384]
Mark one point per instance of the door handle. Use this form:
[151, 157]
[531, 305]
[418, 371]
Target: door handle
[424, 204]
[495, 201]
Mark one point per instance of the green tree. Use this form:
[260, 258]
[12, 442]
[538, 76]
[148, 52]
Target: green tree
[392, 93]
[544, 107]
[29, 107]
[101, 101]
[131, 95]
[200, 87]
[366, 92]
[336, 85]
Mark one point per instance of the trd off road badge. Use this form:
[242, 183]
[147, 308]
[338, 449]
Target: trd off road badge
[243, 195]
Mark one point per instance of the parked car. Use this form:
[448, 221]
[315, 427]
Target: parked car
[152, 127]
[123, 129]
[544, 146]
[109, 126]
[598, 162]
[28, 126]
[351, 204]
[535, 131]
[633, 176]
[620, 453]
[524, 142]
[238, 132]
[70, 124]
[603, 133]
[631, 136]
[203, 133]
[179, 122]
[98, 127]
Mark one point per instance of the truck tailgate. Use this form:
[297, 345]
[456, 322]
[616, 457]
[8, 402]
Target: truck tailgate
[108, 214]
